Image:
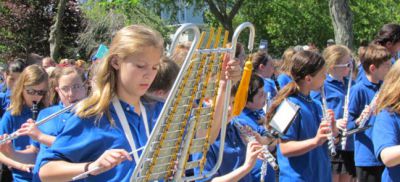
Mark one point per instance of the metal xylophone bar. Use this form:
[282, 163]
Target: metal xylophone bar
[174, 136]
[170, 137]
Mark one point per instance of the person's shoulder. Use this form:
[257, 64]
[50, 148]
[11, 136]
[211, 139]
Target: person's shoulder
[7, 114]
[357, 87]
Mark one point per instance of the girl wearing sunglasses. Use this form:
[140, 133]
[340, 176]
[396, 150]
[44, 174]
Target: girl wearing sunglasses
[67, 87]
[339, 62]
[31, 87]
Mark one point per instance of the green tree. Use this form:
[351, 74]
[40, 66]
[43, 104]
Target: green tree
[25, 27]
[104, 18]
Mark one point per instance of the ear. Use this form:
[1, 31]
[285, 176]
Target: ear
[388, 45]
[307, 79]
[372, 68]
[114, 62]
[261, 67]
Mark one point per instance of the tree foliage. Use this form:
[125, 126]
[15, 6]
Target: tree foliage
[25, 27]
[104, 18]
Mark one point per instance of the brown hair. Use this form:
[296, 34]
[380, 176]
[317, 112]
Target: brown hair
[375, 55]
[304, 63]
[388, 33]
[55, 77]
[260, 58]
[166, 74]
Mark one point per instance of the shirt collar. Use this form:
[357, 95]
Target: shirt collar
[369, 84]
[253, 114]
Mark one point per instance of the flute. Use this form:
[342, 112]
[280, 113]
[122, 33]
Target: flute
[327, 117]
[346, 110]
[268, 157]
[364, 117]
[15, 135]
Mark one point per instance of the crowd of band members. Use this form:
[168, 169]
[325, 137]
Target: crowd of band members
[135, 79]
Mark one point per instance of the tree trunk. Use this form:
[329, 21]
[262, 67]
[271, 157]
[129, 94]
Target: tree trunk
[218, 9]
[55, 31]
[342, 20]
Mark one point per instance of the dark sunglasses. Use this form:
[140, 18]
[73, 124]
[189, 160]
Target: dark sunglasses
[36, 92]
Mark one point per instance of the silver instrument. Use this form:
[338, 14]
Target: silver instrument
[248, 133]
[15, 135]
[327, 117]
[346, 110]
[372, 106]
[173, 138]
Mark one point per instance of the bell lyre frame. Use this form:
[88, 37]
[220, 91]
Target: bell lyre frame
[173, 137]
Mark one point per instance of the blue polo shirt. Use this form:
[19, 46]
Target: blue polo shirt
[386, 133]
[4, 101]
[314, 165]
[86, 139]
[269, 87]
[234, 154]
[52, 127]
[251, 118]
[10, 124]
[283, 79]
[361, 94]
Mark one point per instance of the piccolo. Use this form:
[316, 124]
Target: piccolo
[327, 117]
[364, 117]
[87, 173]
[346, 111]
[15, 135]
[34, 110]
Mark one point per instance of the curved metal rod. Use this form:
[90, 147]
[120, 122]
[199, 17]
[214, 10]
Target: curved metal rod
[224, 121]
[185, 27]
[174, 89]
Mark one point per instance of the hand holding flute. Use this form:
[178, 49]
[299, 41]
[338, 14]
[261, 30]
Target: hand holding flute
[15, 134]
[329, 118]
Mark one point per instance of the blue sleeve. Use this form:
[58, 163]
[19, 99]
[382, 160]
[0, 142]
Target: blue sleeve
[210, 163]
[294, 129]
[385, 132]
[6, 123]
[3, 104]
[355, 109]
[75, 144]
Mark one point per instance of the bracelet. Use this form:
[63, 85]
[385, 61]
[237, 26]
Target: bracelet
[87, 166]
[271, 142]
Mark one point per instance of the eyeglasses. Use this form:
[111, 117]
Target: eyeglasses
[73, 87]
[347, 65]
[36, 92]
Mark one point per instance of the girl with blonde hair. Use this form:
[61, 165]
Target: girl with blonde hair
[31, 87]
[113, 120]
[386, 131]
[339, 62]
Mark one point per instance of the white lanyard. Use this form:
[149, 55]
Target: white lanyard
[144, 117]
[125, 127]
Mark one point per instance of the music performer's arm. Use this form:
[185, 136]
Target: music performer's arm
[232, 71]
